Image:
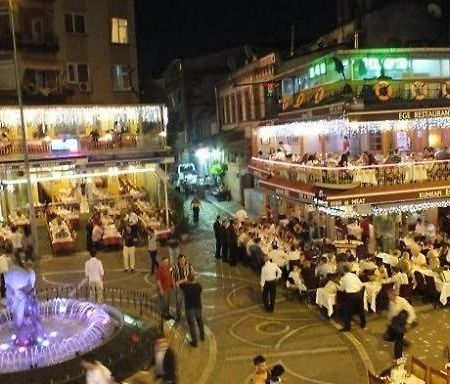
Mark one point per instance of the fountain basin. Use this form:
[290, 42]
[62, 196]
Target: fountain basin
[70, 327]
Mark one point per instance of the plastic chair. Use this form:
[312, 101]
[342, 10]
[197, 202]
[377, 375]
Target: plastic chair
[421, 288]
[437, 377]
[431, 292]
[405, 291]
[419, 369]
[382, 300]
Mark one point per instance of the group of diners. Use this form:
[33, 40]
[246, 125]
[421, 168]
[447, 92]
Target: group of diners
[284, 152]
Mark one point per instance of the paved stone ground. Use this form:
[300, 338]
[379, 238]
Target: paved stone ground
[297, 335]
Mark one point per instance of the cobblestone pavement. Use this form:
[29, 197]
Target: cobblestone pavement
[296, 334]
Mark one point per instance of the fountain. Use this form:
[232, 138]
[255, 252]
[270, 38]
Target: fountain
[37, 334]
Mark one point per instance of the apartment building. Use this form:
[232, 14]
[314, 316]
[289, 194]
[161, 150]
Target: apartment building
[70, 51]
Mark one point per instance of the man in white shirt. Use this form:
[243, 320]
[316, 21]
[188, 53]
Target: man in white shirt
[133, 220]
[93, 270]
[353, 298]
[401, 315]
[270, 273]
[419, 231]
[152, 249]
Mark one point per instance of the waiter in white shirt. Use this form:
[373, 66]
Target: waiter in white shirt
[270, 273]
[93, 270]
[401, 315]
[353, 299]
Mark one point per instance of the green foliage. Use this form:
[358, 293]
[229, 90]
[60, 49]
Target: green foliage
[218, 169]
[179, 218]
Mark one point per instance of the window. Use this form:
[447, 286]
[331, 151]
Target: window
[119, 31]
[37, 29]
[75, 23]
[121, 80]
[77, 73]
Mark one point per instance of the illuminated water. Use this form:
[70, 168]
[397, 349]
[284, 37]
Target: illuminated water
[70, 326]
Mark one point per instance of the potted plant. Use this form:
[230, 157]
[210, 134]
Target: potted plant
[179, 218]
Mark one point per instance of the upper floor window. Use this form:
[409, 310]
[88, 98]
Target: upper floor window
[121, 79]
[78, 73]
[119, 31]
[75, 23]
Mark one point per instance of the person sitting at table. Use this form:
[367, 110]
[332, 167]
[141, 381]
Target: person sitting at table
[343, 161]
[381, 271]
[323, 269]
[430, 231]
[418, 258]
[433, 259]
[272, 153]
[404, 263]
[295, 280]
[399, 278]
[439, 241]
[278, 256]
[444, 254]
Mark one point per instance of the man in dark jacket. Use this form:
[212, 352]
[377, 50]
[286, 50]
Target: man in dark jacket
[165, 362]
[217, 230]
[232, 243]
[193, 306]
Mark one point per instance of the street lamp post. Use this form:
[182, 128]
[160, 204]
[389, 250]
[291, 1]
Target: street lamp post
[22, 127]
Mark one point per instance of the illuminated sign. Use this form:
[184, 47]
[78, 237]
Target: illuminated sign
[70, 145]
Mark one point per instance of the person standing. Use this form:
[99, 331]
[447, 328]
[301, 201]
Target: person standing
[262, 373]
[97, 236]
[165, 362]
[217, 229]
[401, 315]
[164, 285]
[232, 243]
[27, 243]
[16, 240]
[152, 249]
[353, 298]
[224, 240]
[173, 241]
[193, 305]
[195, 203]
[129, 249]
[4, 267]
[180, 273]
[96, 372]
[270, 273]
[132, 220]
[94, 272]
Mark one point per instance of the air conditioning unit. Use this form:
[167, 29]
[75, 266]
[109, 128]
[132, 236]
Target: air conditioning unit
[85, 87]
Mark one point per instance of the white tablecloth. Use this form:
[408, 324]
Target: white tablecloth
[444, 289]
[327, 300]
[365, 176]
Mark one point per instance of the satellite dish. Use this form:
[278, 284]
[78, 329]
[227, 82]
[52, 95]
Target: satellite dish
[434, 10]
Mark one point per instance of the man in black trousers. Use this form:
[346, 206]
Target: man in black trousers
[224, 241]
[353, 298]
[270, 274]
[193, 306]
[217, 230]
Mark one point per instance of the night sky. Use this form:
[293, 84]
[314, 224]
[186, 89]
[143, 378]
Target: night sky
[169, 29]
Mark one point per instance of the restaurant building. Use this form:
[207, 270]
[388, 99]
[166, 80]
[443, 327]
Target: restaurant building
[389, 102]
[91, 145]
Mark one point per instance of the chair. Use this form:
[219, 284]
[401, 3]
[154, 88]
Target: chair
[431, 292]
[382, 300]
[374, 379]
[405, 291]
[437, 377]
[419, 369]
[421, 288]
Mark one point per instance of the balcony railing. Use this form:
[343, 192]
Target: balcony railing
[84, 144]
[356, 176]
